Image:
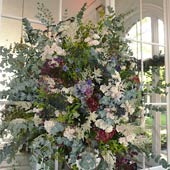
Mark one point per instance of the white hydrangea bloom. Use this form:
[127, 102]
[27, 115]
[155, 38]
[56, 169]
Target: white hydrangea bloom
[48, 125]
[69, 133]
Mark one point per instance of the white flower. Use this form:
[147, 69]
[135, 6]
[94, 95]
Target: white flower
[116, 76]
[53, 62]
[104, 88]
[103, 125]
[47, 54]
[70, 99]
[110, 115]
[99, 50]
[109, 129]
[57, 113]
[128, 107]
[92, 116]
[93, 43]
[115, 92]
[96, 36]
[88, 39]
[123, 67]
[123, 141]
[69, 133]
[37, 110]
[132, 66]
[48, 125]
[49, 81]
[65, 90]
[60, 51]
[37, 120]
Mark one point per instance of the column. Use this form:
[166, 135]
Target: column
[166, 8]
[60, 10]
[110, 3]
[156, 127]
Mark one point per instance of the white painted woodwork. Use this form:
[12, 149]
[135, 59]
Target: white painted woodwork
[167, 66]
[156, 126]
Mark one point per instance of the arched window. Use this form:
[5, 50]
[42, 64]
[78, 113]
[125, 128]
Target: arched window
[145, 28]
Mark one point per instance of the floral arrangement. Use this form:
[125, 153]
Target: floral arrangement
[72, 87]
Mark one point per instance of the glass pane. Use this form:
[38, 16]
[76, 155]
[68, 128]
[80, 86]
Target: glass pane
[12, 8]
[131, 8]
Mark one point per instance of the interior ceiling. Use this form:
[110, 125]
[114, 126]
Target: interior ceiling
[14, 7]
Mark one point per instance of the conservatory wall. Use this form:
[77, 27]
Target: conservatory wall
[147, 22]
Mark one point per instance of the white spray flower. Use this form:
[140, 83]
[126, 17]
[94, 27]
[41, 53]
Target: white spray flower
[96, 36]
[93, 43]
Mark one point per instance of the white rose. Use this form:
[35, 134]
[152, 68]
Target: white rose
[109, 129]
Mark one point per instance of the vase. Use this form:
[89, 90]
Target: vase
[21, 162]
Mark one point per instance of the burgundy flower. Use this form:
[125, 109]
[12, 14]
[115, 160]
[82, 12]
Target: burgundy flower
[92, 103]
[136, 79]
[105, 137]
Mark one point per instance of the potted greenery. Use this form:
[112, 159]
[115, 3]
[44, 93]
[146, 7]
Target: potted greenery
[73, 86]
